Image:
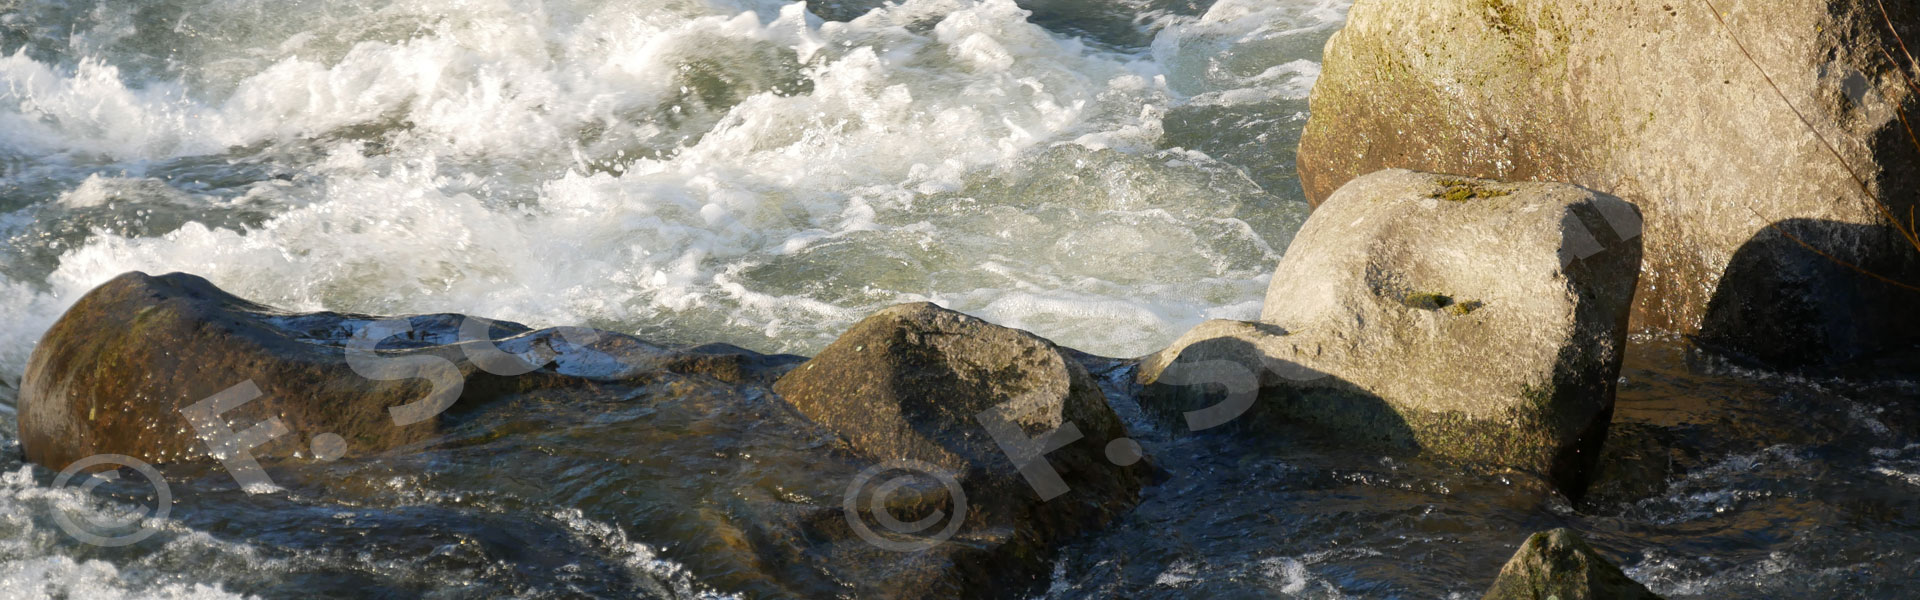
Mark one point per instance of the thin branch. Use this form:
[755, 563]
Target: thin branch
[1885, 212]
[1898, 69]
[1835, 259]
[1898, 109]
[1896, 33]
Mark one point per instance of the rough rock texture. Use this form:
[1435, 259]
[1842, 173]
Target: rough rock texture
[915, 381]
[1652, 101]
[1559, 565]
[689, 446]
[1466, 318]
[115, 373]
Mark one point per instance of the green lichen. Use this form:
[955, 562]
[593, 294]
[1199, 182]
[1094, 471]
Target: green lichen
[1462, 190]
[1433, 301]
[1427, 301]
[1465, 308]
[1537, 35]
[1540, 397]
[1504, 17]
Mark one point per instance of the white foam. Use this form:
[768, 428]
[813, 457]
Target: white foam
[641, 559]
[1236, 52]
[60, 577]
[484, 196]
[1181, 572]
[1710, 492]
[36, 559]
[1295, 579]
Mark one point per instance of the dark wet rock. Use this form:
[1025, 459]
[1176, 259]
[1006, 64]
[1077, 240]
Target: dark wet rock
[689, 447]
[1013, 419]
[1467, 319]
[120, 372]
[1653, 102]
[1781, 305]
[1559, 565]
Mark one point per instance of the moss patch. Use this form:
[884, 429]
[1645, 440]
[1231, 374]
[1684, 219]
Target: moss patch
[1433, 301]
[1504, 18]
[1465, 308]
[1427, 300]
[1462, 190]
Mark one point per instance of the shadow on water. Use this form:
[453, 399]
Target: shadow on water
[1264, 507]
[1718, 481]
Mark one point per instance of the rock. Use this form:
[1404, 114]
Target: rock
[124, 369]
[1559, 565]
[1654, 103]
[750, 494]
[1018, 425]
[1467, 319]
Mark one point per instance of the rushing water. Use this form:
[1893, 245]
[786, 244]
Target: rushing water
[687, 171]
[763, 173]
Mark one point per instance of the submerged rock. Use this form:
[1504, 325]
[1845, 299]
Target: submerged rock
[1019, 425]
[1638, 461]
[931, 453]
[1464, 318]
[1655, 103]
[1559, 565]
[171, 368]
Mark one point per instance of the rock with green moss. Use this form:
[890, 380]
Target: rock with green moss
[128, 366]
[1019, 425]
[1655, 103]
[840, 484]
[1558, 565]
[1488, 330]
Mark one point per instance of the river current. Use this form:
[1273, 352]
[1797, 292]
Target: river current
[762, 173]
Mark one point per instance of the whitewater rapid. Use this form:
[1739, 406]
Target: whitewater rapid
[763, 173]
[685, 171]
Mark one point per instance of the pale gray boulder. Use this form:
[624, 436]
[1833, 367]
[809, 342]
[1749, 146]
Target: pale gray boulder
[1655, 103]
[1468, 319]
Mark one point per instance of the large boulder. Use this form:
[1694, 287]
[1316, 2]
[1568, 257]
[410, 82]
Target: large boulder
[1467, 319]
[1559, 565]
[1008, 417]
[932, 454]
[171, 368]
[1655, 103]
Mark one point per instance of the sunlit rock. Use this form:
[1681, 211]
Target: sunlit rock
[1466, 319]
[1559, 565]
[932, 453]
[1697, 123]
[1020, 427]
[171, 368]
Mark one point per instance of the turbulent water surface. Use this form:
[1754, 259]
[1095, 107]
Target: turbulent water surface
[1105, 173]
